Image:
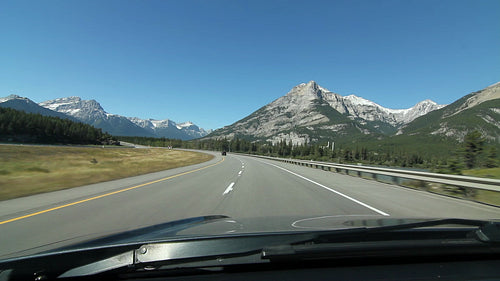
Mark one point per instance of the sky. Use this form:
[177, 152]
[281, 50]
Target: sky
[213, 62]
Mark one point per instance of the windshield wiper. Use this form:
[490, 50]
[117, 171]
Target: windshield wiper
[394, 240]
[211, 251]
[486, 231]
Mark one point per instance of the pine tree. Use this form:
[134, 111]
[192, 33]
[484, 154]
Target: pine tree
[491, 158]
[473, 146]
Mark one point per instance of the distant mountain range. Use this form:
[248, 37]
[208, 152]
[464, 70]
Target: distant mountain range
[91, 112]
[311, 113]
[307, 113]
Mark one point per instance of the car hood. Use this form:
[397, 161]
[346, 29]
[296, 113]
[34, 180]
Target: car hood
[205, 239]
[215, 226]
[221, 225]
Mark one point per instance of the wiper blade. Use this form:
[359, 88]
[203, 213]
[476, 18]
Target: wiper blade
[177, 253]
[393, 241]
[488, 231]
[437, 222]
[428, 223]
[334, 235]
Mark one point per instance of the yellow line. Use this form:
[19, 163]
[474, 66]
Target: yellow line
[107, 194]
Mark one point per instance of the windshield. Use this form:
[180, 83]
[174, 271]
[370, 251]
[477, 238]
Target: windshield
[158, 119]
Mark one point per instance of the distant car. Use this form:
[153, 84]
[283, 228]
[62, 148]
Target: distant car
[223, 153]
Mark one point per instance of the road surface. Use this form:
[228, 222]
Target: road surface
[237, 186]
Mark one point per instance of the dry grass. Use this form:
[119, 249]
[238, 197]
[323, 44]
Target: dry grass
[26, 170]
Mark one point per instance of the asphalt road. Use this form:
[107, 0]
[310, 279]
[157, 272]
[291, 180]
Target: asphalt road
[237, 186]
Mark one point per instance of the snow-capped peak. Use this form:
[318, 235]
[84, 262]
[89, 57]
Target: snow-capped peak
[169, 128]
[404, 116]
[60, 102]
[360, 101]
[423, 105]
[324, 89]
[185, 125]
[12, 97]
[85, 110]
[162, 123]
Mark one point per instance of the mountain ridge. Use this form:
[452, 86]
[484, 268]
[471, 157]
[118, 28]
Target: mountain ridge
[309, 112]
[91, 112]
[479, 111]
[29, 106]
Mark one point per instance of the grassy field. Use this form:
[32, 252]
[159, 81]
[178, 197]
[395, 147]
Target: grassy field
[26, 170]
[493, 173]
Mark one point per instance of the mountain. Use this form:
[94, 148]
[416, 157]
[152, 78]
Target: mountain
[91, 112]
[164, 128]
[193, 130]
[29, 106]
[310, 113]
[477, 111]
[357, 107]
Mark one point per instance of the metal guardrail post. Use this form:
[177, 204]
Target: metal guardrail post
[396, 180]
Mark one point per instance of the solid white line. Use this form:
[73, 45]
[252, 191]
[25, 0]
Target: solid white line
[228, 189]
[332, 190]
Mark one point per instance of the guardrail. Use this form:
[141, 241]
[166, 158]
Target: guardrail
[397, 175]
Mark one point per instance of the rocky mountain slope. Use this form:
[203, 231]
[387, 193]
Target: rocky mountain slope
[310, 112]
[477, 111]
[27, 105]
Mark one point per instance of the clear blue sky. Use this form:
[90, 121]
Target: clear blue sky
[214, 62]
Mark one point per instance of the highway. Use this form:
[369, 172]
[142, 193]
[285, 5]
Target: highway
[238, 186]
